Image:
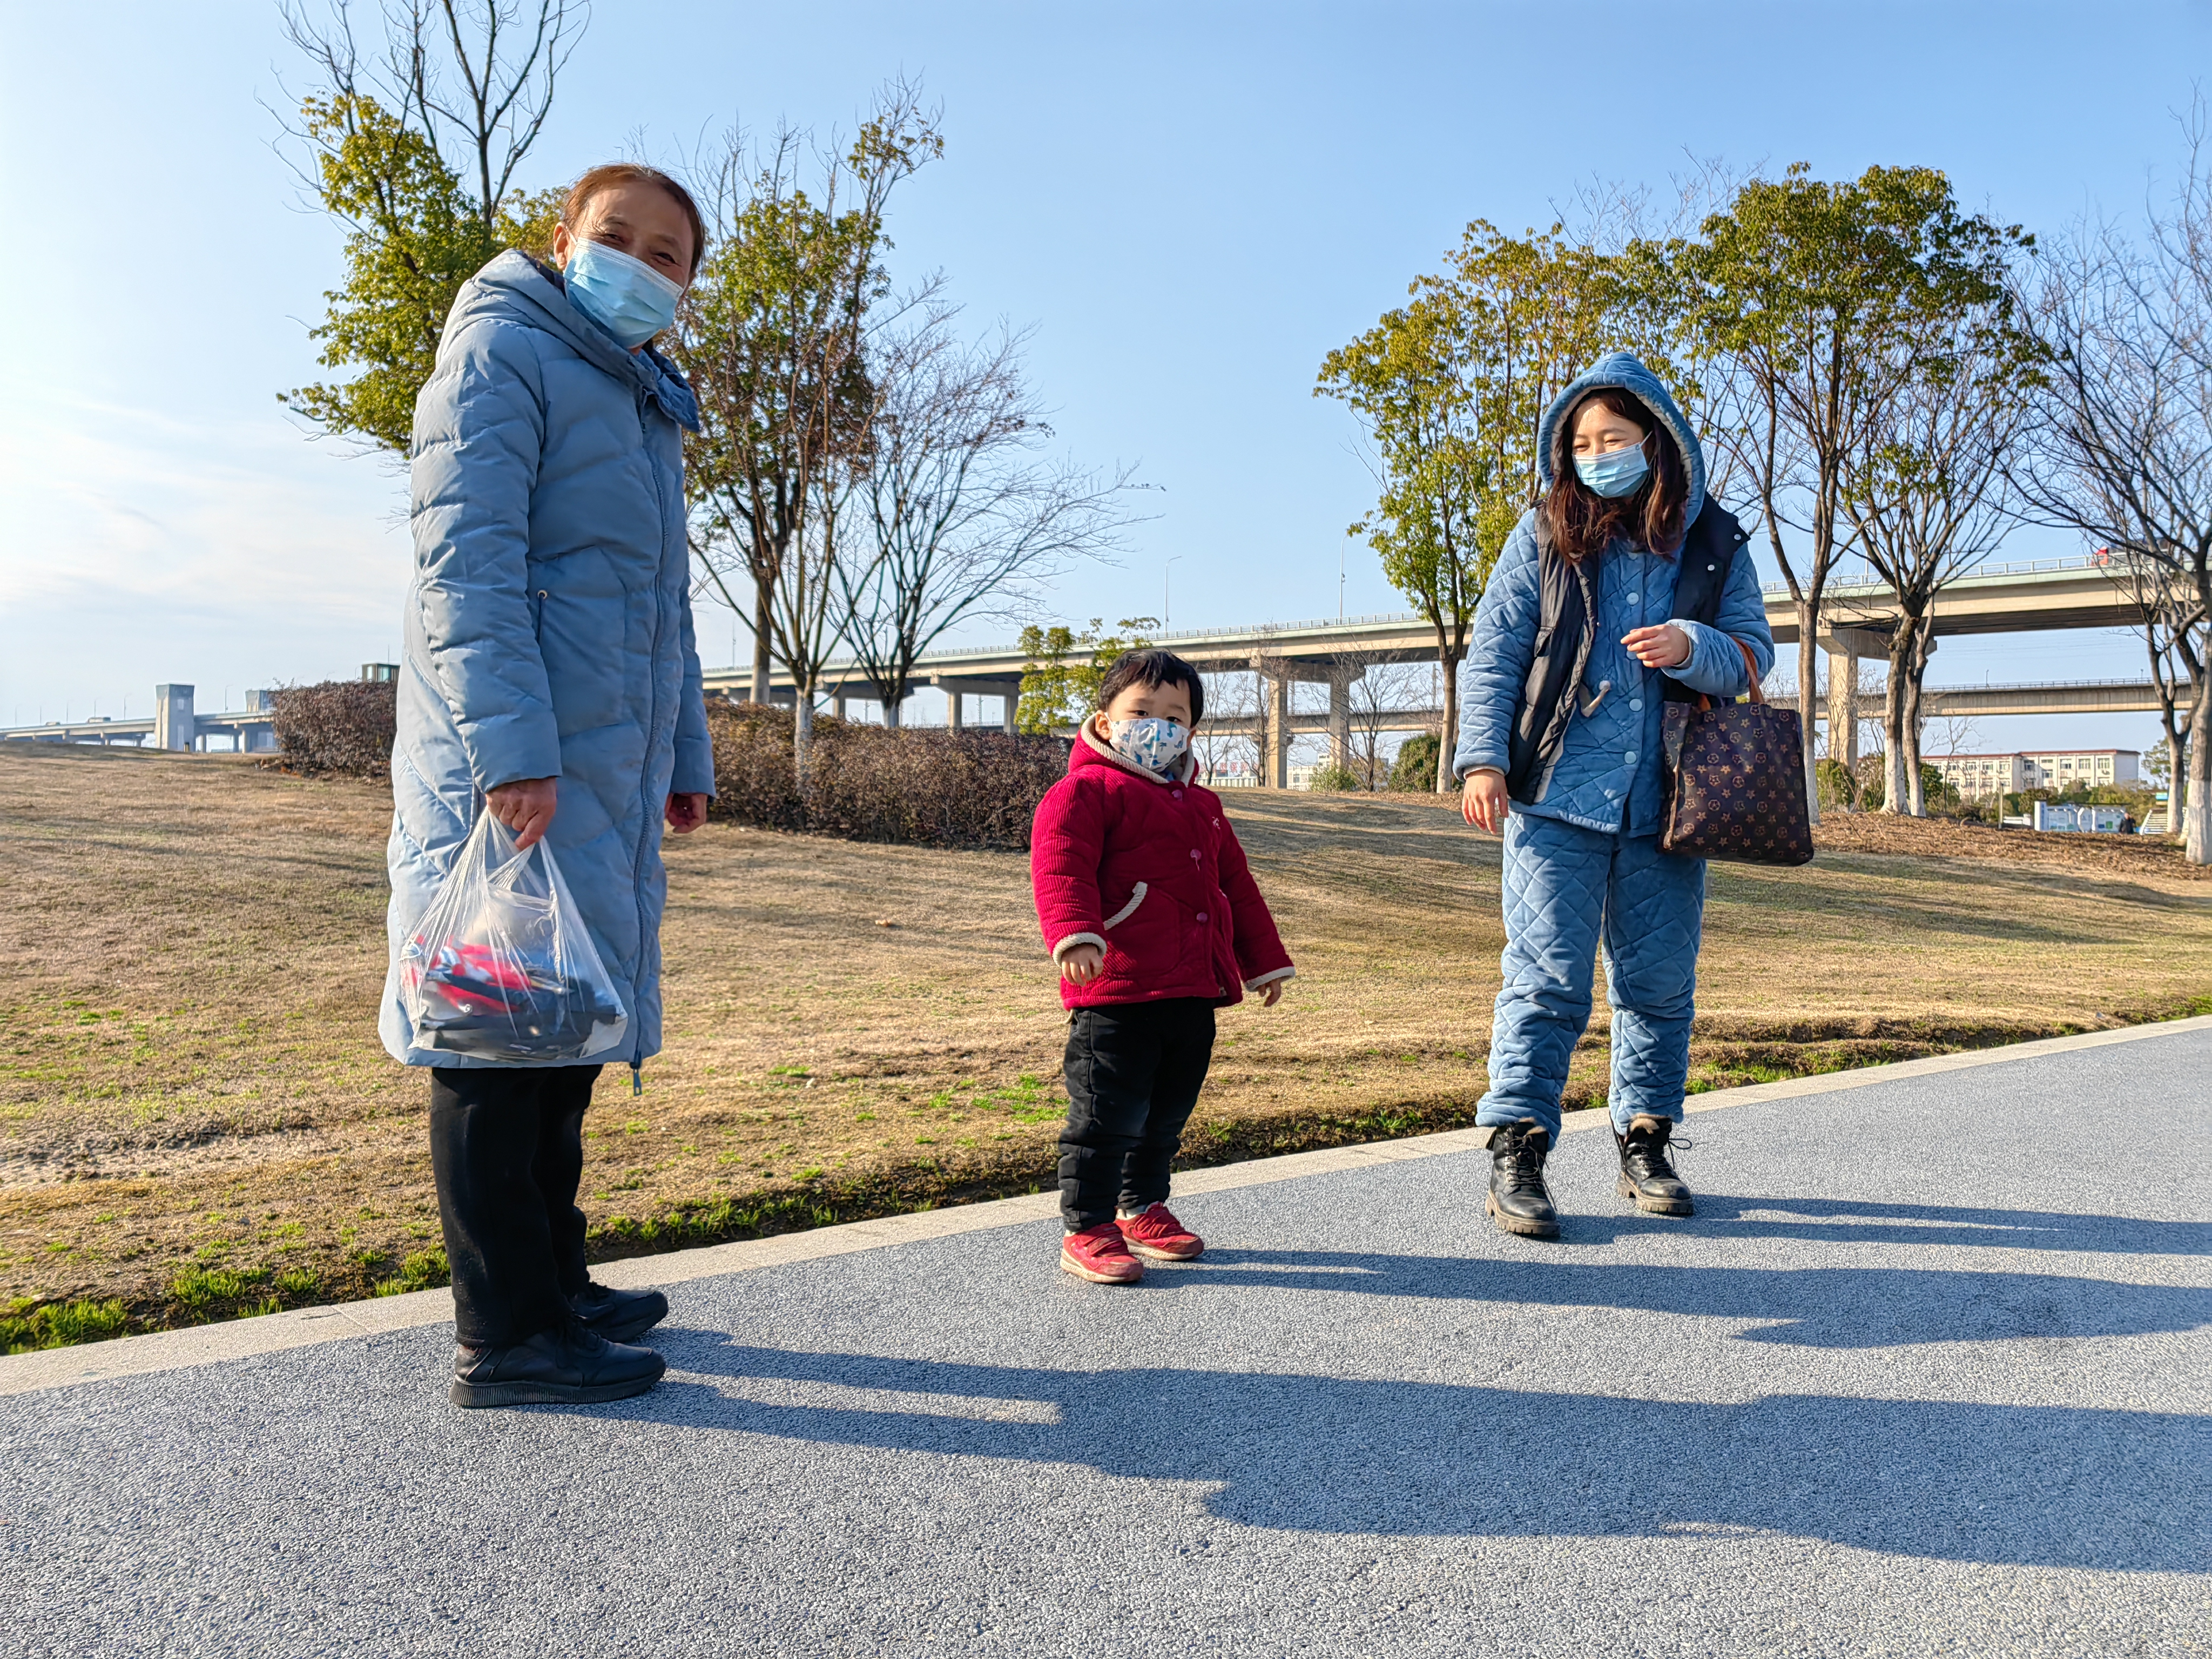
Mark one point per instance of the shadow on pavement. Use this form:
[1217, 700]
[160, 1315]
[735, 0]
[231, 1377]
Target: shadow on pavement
[2023, 1485]
[1848, 1221]
[1813, 1307]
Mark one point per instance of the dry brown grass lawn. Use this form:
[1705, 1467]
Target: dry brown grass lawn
[195, 1116]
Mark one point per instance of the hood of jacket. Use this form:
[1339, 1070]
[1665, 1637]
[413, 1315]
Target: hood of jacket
[1622, 369]
[518, 289]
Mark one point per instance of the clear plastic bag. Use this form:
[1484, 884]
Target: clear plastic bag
[500, 967]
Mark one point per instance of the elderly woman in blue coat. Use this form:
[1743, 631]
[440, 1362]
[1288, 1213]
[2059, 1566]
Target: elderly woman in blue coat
[552, 680]
[1623, 589]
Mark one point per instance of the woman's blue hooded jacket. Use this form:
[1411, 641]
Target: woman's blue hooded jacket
[1607, 774]
[548, 629]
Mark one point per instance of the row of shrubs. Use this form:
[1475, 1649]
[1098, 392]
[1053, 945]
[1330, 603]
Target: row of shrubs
[919, 786]
[339, 729]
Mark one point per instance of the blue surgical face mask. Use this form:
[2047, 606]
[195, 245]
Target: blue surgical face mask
[626, 297]
[1614, 475]
[1154, 744]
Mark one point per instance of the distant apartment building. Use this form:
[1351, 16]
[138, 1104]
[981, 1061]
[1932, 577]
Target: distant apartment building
[1975, 776]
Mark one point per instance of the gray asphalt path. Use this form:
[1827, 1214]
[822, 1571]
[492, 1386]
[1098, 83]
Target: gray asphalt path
[1929, 1373]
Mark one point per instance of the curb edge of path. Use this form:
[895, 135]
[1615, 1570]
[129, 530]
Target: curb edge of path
[207, 1345]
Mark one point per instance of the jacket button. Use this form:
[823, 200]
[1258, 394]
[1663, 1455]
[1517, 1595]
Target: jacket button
[1178, 794]
[1194, 853]
[1635, 703]
[1630, 757]
[1202, 916]
[1633, 598]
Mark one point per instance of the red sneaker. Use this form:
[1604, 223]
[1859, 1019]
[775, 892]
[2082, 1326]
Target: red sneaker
[1098, 1254]
[1156, 1236]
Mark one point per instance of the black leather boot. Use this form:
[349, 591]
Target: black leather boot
[568, 1366]
[1645, 1174]
[619, 1316]
[1518, 1201]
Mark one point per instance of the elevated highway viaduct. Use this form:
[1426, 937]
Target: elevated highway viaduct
[2028, 597]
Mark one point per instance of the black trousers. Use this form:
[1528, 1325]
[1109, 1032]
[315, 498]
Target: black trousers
[506, 1144]
[1134, 1072]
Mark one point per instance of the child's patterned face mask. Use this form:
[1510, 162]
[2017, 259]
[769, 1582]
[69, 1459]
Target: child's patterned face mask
[1154, 744]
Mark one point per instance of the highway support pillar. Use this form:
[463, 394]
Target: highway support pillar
[1340, 716]
[174, 726]
[1012, 699]
[1843, 708]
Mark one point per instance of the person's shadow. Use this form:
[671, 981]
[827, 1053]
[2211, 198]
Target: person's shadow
[2106, 1489]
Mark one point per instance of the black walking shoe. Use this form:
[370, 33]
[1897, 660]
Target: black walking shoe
[570, 1365]
[619, 1316]
[1517, 1200]
[1645, 1174]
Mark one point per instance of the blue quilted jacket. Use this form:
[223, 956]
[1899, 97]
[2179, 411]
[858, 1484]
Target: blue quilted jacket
[548, 629]
[1607, 776]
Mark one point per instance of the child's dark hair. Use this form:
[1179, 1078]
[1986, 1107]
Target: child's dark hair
[1154, 668]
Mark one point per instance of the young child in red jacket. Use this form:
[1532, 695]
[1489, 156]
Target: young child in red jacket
[1153, 918]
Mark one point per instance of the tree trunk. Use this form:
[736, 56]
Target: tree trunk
[890, 710]
[2197, 806]
[1896, 790]
[1446, 784]
[1915, 672]
[763, 597]
[802, 739]
[1808, 701]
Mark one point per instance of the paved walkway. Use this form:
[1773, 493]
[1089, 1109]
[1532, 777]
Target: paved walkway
[1929, 1373]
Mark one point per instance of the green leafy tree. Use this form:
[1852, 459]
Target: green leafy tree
[1407, 381]
[1795, 305]
[416, 152]
[1063, 669]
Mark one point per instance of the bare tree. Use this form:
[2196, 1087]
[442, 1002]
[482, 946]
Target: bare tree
[1928, 500]
[477, 80]
[2172, 627]
[772, 337]
[1380, 692]
[966, 517]
[2121, 444]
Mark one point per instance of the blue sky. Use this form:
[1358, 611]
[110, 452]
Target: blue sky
[1192, 202]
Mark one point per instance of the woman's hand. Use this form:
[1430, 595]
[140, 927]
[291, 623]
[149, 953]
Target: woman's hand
[687, 812]
[526, 806]
[1482, 801]
[1081, 965]
[1664, 646]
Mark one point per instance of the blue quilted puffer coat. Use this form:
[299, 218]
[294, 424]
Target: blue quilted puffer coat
[548, 629]
[1581, 865]
[1607, 775]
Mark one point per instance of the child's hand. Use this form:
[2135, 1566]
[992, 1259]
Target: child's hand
[1273, 994]
[1080, 966]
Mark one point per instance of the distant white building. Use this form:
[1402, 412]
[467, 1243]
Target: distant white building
[1977, 776]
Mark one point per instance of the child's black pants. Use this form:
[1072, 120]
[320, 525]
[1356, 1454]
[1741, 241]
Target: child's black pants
[1134, 1072]
[506, 1144]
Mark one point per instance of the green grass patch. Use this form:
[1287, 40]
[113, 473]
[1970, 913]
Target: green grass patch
[25, 1326]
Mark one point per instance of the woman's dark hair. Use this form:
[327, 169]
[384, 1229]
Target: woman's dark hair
[632, 173]
[1154, 668]
[1581, 522]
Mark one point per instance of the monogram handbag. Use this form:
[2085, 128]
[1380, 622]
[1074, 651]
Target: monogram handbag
[1736, 780]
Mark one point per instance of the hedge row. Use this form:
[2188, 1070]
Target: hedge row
[341, 728]
[919, 786]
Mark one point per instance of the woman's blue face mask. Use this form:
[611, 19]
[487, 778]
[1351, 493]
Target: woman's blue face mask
[626, 297]
[1614, 475]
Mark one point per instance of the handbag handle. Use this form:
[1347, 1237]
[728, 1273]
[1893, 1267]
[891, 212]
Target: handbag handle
[1751, 673]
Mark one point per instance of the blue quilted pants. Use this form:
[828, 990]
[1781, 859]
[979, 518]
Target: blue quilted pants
[1563, 885]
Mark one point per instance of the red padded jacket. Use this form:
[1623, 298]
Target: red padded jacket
[1152, 873]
